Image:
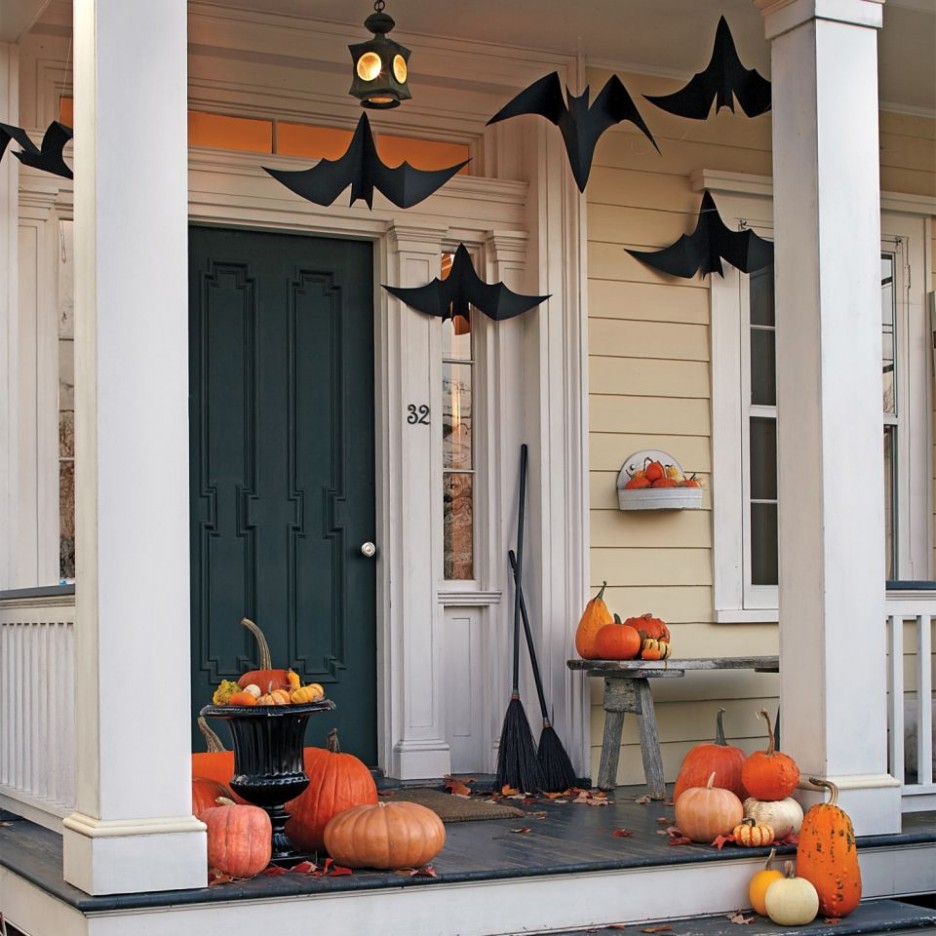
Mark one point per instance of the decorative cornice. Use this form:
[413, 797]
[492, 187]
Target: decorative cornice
[781, 16]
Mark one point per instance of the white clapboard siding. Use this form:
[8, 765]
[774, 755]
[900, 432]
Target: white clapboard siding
[37, 697]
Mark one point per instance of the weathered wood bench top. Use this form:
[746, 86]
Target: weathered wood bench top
[635, 669]
[627, 689]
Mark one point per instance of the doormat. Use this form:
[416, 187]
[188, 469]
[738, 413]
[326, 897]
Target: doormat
[451, 808]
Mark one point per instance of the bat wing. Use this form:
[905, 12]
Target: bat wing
[724, 77]
[50, 158]
[433, 298]
[613, 105]
[406, 186]
[742, 249]
[8, 133]
[684, 258]
[543, 97]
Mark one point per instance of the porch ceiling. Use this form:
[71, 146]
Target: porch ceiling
[655, 36]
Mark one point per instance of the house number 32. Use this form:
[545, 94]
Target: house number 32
[417, 415]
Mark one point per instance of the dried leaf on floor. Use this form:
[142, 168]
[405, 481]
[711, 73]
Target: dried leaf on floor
[657, 929]
[427, 871]
[721, 840]
[832, 921]
[643, 800]
[556, 796]
[622, 833]
[219, 877]
[521, 831]
[330, 869]
[509, 790]
[665, 820]
[538, 814]
[457, 788]
[304, 867]
[739, 917]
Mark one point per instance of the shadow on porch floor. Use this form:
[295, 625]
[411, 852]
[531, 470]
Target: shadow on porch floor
[552, 838]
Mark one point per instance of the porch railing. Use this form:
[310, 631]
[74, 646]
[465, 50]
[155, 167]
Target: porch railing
[37, 690]
[911, 610]
[37, 701]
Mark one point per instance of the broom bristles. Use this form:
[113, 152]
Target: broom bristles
[554, 763]
[517, 765]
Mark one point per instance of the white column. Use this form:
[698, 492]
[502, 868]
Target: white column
[413, 647]
[831, 475]
[9, 268]
[133, 829]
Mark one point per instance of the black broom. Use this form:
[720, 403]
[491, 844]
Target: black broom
[517, 766]
[555, 764]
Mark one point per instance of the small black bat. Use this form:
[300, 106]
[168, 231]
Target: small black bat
[723, 78]
[361, 168]
[581, 126]
[48, 157]
[710, 242]
[451, 296]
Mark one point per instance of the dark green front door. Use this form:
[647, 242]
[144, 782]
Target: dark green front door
[282, 476]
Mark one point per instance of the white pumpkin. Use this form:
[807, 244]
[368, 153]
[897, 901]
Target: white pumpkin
[791, 901]
[783, 816]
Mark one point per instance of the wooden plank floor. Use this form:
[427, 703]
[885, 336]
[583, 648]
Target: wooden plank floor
[551, 838]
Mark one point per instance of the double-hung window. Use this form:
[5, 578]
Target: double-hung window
[745, 504]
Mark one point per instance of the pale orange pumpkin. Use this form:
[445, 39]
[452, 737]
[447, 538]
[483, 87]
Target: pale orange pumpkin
[704, 813]
[240, 839]
[386, 836]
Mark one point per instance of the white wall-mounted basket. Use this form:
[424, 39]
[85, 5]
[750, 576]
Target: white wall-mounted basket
[655, 498]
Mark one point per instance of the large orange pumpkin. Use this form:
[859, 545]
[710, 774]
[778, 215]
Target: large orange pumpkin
[205, 793]
[595, 616]
[617, 641]
[827, 857]
[216, 763]
[718, 757]
[336, 782]
[769, 775]
[385, 835]
[240, 839]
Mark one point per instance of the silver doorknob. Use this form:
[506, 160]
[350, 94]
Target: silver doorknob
[369, 550]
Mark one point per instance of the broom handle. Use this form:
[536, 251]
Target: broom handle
[516, 621]
[529, 639]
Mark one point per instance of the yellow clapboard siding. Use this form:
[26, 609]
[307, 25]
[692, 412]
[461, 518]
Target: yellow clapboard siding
[607, 450]
[908, 153]
[674, 603]
[662, 340]
[613, 262]
[603, 496]
[655, 302]
[648, 377]
[617, 528]
[908, 125]
[642, 190]
[681, 156]
[725, 687]
[640, 414]
[627, 226]
[639, 566]
[909, 181]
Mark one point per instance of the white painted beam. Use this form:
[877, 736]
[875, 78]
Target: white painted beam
[133, 829]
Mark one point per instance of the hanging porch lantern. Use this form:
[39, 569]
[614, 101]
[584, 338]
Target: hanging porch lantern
[380, 64]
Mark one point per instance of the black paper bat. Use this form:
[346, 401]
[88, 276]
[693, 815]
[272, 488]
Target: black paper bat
[451, 296]
[48, 157]
[723, 77]
[361, 168]
[710, 242]
[581, 126]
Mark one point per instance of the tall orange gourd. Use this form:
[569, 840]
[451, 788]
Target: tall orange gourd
[594, 617]
[827, 857]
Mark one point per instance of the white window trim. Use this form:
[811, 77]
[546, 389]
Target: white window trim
[907, 224]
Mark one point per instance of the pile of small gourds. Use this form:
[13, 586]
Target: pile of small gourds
[601, 635]
[722, 792]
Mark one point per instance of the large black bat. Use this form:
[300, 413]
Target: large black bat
[451, 296]
[710, 242]
[580, 125]
[48, 157]
[723, 77]
[361, 168]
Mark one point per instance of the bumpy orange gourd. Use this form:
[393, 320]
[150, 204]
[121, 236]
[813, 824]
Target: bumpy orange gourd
[757, 889]
[704, 813]
[719, 756]
[336, 782]
[826, 855]
[650, 627]
[385, 835]
[770, 774]
[653, 649]
[617, 641]
[595, 616]
[240, 839]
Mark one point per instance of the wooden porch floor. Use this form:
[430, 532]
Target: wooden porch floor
[551, 839]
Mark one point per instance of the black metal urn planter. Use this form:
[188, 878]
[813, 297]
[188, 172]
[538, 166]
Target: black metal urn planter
[268, 765]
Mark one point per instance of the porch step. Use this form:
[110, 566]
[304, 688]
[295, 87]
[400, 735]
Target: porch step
[870, 918]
